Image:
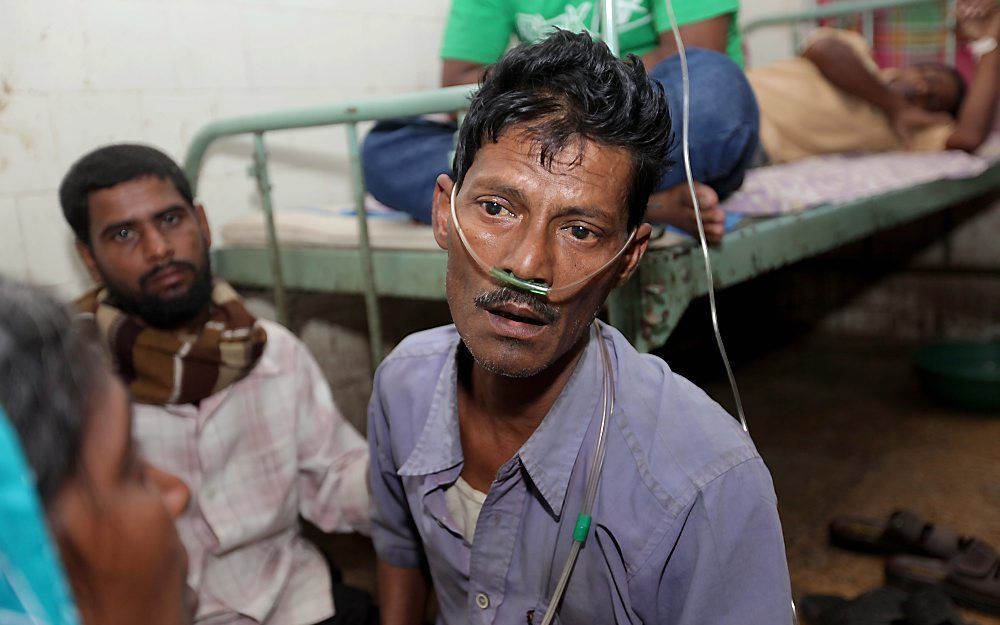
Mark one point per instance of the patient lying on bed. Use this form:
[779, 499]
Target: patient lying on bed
[833, 98]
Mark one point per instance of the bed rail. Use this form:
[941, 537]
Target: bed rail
[451, 99]
[447, 100]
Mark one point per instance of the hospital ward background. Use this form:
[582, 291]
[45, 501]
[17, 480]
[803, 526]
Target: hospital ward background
[858, 295]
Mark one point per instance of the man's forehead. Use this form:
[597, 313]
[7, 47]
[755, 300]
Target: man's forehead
[565, 153]
[136, 197]
[581, 162]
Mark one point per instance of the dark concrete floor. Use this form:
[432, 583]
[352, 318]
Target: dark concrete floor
[844, 428]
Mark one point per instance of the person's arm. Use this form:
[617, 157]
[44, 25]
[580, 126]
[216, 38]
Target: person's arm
[728, 565]
[456, 72]
[975, 118]
[402, 594]
[403, 589]
[476, 34]
[332, 455]
[843, 68]
[712, 34]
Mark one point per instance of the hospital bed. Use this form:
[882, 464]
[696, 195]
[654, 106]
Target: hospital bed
[369, 253]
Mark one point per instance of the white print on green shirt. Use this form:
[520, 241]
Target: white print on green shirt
[533, 27]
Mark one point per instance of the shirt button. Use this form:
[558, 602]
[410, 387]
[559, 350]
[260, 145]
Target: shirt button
[482, 601]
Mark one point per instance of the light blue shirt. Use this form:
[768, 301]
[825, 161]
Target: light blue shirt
[33, 587]
[685, 526]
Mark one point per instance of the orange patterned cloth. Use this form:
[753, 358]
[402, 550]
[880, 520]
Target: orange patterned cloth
[907, 35]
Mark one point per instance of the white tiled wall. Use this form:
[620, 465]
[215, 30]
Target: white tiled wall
[75, 74]
[12, 249]
[772, 43]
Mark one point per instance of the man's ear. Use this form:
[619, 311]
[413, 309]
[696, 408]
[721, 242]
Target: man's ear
[199, 212]
[441, 210]
[87, 256]
[634, 253]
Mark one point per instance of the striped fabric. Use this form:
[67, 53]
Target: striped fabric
[163, 367]
[905, 35]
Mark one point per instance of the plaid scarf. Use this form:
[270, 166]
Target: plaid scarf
[165, 367]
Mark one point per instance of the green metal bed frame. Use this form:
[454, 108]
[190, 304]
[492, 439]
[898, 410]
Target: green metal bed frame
[646, 309]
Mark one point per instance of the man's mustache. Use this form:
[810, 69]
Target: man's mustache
[505, 295]
[172, 265]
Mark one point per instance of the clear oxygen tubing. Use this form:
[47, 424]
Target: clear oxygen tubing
[686, 93]
[582, 528]
[685, 114]
[509, 278]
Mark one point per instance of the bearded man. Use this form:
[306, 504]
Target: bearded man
[234, 405]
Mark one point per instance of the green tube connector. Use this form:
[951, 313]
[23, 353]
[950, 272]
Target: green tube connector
[518, 283]
[582, 528]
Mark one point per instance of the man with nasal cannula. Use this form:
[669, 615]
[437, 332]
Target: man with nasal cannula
[527, 458]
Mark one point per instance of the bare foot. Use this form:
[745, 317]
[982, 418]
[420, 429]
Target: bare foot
[674, 207]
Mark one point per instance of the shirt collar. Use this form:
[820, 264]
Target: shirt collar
[439, 446]
[269, 363]
[551, 452]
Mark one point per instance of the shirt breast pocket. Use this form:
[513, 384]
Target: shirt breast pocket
[597, 591]
[615, 578]
[266, 476]
[537, 614]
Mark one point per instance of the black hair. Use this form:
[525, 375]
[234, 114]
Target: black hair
[108, 166]
[48, 372]
[961, 87]
[566, 89]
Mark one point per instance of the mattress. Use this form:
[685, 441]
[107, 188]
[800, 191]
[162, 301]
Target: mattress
[767, 191]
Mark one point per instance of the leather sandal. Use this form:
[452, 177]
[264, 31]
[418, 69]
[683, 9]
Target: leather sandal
[931, 607]
[971, 578]
[881, 606]
[903, 531]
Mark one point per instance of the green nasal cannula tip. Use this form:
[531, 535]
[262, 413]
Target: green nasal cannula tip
[518, 283]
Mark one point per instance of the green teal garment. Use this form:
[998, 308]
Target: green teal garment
[480, 30]
[33, 589]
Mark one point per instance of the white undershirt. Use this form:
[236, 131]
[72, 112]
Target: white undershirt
[464, 503]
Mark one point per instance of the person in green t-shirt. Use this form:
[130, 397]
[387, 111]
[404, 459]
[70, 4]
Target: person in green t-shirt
[402, 158]
[479, 31]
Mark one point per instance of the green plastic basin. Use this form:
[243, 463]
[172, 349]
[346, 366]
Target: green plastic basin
[964, 374]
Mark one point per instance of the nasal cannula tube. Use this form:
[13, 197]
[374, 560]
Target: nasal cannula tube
[509, 278]
[582, 528]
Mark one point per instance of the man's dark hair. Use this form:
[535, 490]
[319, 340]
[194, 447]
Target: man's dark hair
[108, 166]
[48, 373]
[566, 89]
